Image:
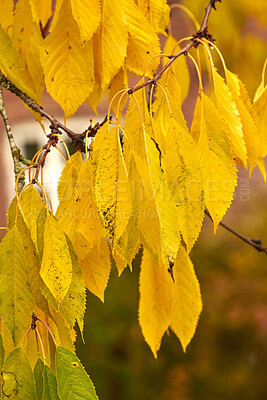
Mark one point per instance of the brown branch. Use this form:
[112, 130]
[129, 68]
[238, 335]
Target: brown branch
[15, 151]
[202, 32]
[34, 106]
[76, 138]
[256, 243]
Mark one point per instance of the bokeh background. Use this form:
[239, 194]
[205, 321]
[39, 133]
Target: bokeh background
[227, 358]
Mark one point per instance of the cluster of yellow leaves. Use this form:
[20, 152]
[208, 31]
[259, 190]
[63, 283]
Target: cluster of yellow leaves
[146, 183]
[90, 46]
[40, 273]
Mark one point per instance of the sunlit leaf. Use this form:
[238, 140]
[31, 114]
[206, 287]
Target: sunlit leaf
[183, 170]
[219, 171]
[155, 301]
[186, 303]
[179, 68]
[27, 37]
[111, 41]
[227, 109]
[87, 15]
[244, 108]
[6, 16]
[143, 42]
[157, 13]
[64, 59]
[96, 269]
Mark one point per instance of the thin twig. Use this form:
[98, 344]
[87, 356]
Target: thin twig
[256, 243]
[202, 32]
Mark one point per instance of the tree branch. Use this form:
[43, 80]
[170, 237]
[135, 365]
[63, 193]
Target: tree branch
[256, 243]
[15, 151]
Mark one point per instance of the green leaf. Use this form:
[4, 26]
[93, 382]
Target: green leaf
[50, 385]
[16, 296]
[73, 382]
[39, 378]
[17, 377]
[2, 352]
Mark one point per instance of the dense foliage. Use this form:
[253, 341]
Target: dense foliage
[142, 185]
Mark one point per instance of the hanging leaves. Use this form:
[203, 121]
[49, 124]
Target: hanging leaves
[142, 188]
[16, 296]
[219, 170]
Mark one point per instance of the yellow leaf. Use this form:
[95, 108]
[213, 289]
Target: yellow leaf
[157, 13]
[162, 107]
[16, 297]
[96, 269]
[41, 10]
[94, 96]
[219, 171]
[119, 82]
[112, 190]
[111, 41]
[7, 338]
[228, 110]
[244, 108]
[153, 202]
[10, 63]
[183, 171]
[6, 16]
[66, 193]
[260, 115]
[87, 219]
[67, 63]
[72, 306]
[261, 86]
[64, 336]
[56, 267]
[143, 43]
[32, 258]
[155, 301]
[30, 205]
[186, 299]
[128, 244]
[27, 39]
[179, 68]
[87, 15]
